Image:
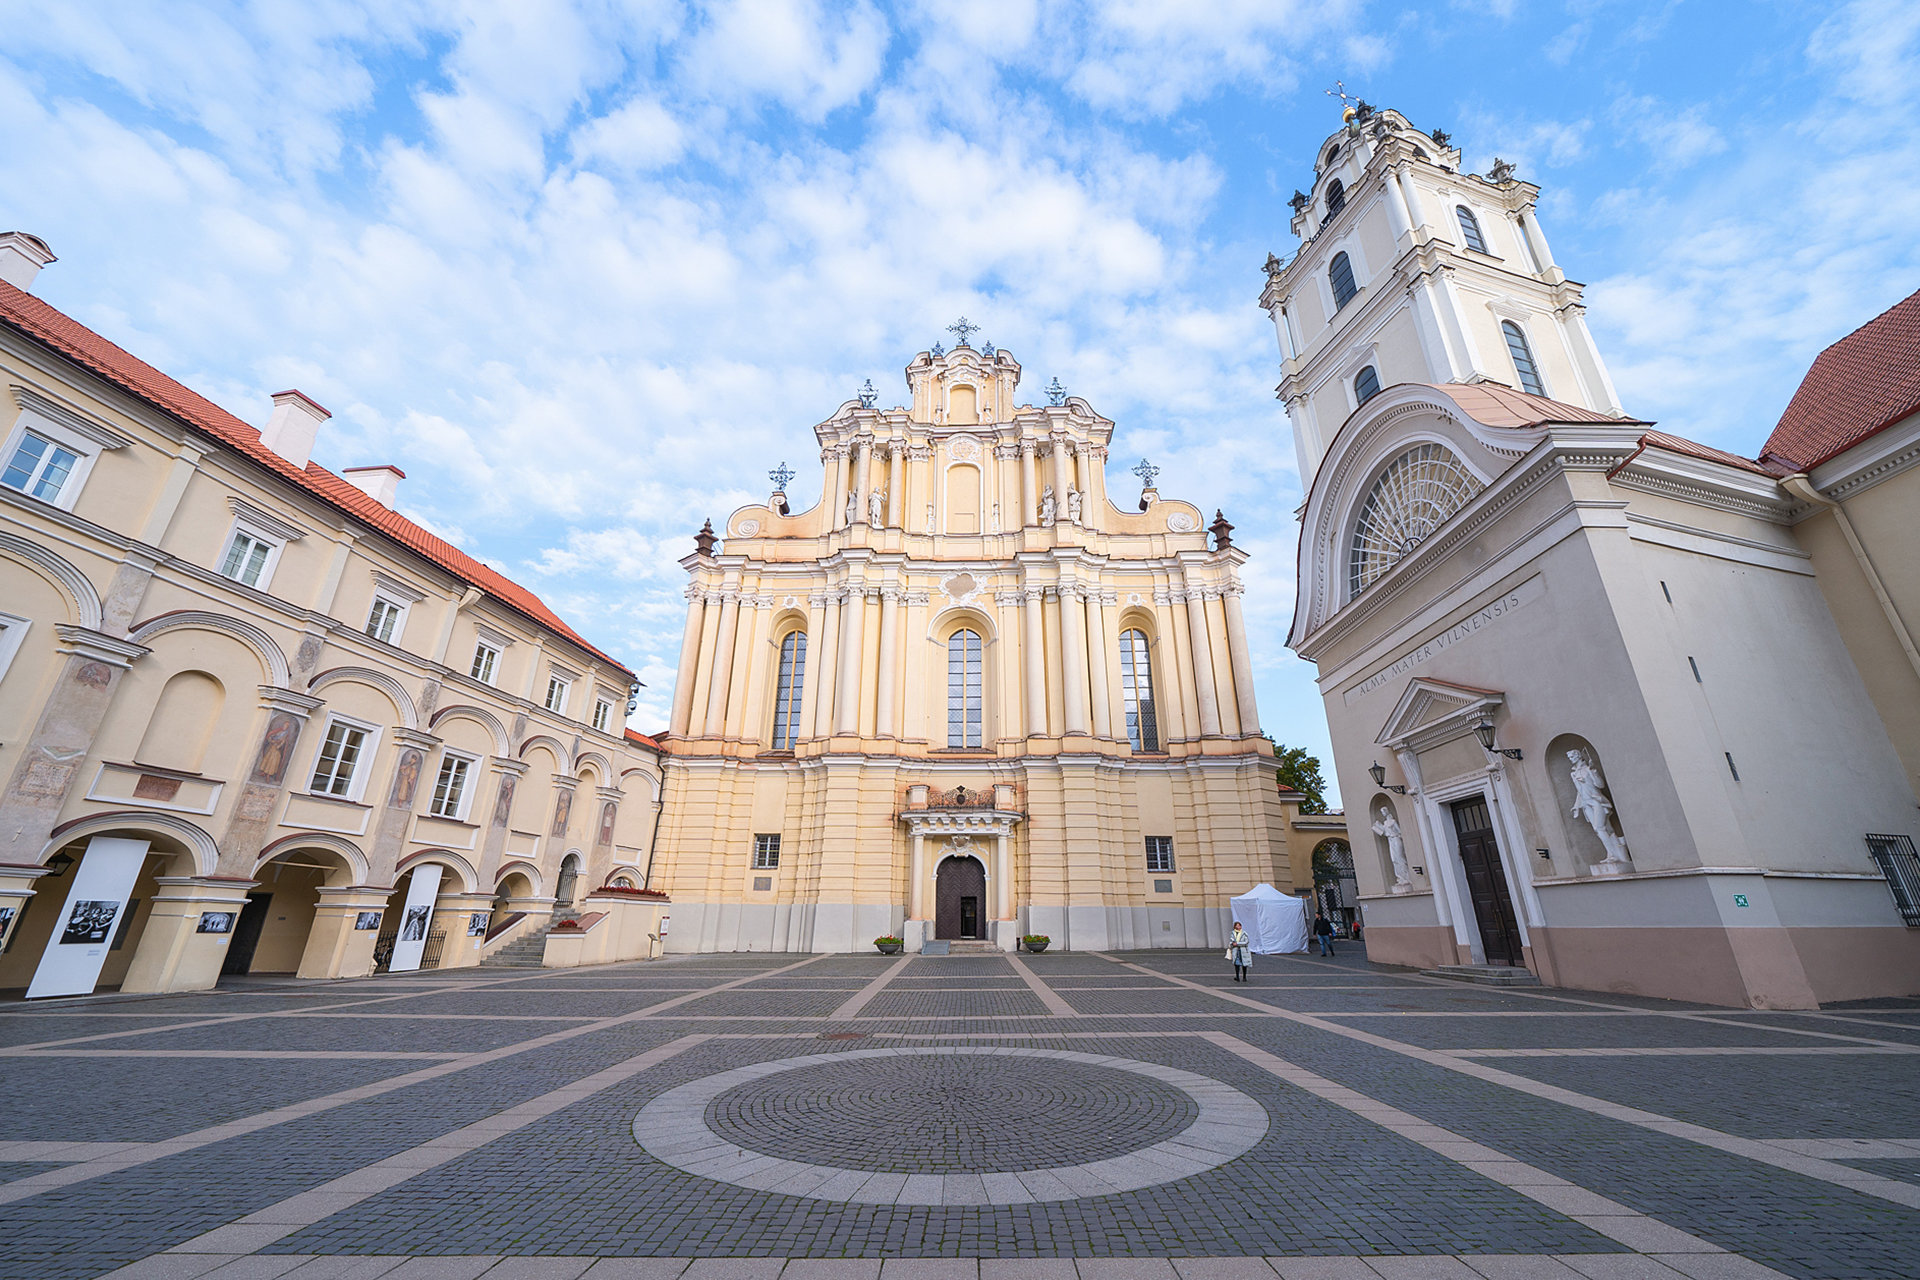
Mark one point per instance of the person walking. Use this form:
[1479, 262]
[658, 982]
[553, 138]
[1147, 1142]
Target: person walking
[1240, 951]
[1323, 930]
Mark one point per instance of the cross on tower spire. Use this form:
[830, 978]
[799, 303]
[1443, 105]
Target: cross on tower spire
[962, 330]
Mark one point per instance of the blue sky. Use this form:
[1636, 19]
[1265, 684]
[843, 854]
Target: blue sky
[587, 271]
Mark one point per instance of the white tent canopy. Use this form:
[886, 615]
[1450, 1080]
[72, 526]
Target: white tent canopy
[1276, 921]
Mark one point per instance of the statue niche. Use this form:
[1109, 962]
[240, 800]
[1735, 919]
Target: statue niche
[1587, 808]
[1391, 843]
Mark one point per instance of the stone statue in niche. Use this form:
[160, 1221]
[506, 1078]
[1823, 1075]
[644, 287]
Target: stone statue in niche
[853, 507]
[1046, 505]
[993, 519]
[1073, 505]
[1592, 802]
[877, 508]
[1389, 830]
[929, 519]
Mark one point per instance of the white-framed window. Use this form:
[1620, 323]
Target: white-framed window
[386, 619]
[1160, 854]
[346, 754]
[49, 450]
[249, 557]
[557, 689]
[766, 852]
[13, 634]
[451, 788]
[39, 467]
[603, 714]
[486, 662]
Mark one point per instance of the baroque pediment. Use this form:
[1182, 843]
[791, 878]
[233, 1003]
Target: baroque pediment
[1428, 707]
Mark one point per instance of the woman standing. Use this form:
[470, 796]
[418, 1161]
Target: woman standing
[1240, 951]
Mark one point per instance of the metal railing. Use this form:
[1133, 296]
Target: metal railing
[1898, 862]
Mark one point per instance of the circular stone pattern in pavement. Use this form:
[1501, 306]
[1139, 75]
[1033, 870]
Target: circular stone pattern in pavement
[947, 1113]
[950, 1125]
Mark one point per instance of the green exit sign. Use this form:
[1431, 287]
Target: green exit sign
[1740, 900]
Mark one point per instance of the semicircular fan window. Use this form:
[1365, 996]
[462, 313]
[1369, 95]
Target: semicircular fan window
[1418, 492]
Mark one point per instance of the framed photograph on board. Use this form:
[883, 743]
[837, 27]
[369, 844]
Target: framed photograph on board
[90, 922]
[477, 924]
[216, 922]
[367, 921]
[415, 926]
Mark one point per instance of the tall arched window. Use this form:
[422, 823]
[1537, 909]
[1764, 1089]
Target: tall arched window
[1336, 197]
[1522, 359]
[1470, 228]
[786, 694]
[1417, 493]
[1340, 275]
[1136, 686]
[1366, 385]
[964, 700]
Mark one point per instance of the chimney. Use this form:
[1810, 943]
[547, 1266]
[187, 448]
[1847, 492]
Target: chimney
[290, 431]
[380, 483]
[21, 257]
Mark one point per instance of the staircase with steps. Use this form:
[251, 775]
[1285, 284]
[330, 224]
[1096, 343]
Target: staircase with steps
[529, 950]
[1486, 975]
[975, 947]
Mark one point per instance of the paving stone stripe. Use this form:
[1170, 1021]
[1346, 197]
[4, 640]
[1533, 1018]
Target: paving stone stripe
[109, 1164]
[1870, 1184]
[860, 999]
[1048, 996]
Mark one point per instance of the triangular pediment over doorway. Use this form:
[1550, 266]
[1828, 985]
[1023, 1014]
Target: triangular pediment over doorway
[1429, 705]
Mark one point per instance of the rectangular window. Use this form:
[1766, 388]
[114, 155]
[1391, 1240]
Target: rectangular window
[39, 467]
[1160, 853]
[602, 715]
[339, 759]
[450, 790]
[486, 659]
[557, 694]
[1898, 862]
[766, 852]
[246, 559]
[383, 620]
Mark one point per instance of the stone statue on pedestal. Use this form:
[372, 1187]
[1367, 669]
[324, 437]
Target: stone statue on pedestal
[1073, 505]
[1592, 803]
[853, 506]
[1046, 505]
[1389, 830]
[877, 508]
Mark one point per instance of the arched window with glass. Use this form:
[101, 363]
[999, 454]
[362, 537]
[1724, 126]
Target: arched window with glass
[1340, 276]
[965, 722]
[1470, 229]
[1136, 687]
[1522, 359]
[1336, 197]
[786, 693]
[1366, 385]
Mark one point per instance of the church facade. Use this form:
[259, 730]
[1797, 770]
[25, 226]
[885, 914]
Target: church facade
[1618, 708]
[966, 696]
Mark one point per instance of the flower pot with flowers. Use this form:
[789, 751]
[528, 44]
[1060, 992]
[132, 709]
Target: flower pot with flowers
[888, 946]
[1035, 942]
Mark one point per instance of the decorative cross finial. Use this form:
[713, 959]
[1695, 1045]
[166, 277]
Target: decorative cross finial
[780, 475]
[1147, 473]
[868, 396]
[1056, 394]
[962, 331]
[1339, 91]
[938, 351]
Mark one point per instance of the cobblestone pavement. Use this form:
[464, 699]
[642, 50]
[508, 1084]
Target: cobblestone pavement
[1056, 1117]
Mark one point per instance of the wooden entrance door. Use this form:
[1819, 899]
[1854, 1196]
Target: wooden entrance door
[960, 886]
[1486, 882]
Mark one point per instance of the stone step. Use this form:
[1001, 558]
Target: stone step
[1486, 975]
[975, 947]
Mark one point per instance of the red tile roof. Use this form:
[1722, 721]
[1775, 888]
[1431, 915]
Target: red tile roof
[1694, 449]
[1494, 405]
[1860, 385]
[67, 337]
[644, 740]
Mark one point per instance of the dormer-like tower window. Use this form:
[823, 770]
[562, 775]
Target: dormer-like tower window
[1340, 276]
[1366, 385]
[1522, 359]
[1336, 197]
[1470, 228]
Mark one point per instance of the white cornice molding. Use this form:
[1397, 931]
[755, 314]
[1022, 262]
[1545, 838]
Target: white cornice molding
[1879, 457]
[65, 415]
[265, 520]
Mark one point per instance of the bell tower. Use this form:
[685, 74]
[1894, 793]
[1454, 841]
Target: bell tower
[1409, 270]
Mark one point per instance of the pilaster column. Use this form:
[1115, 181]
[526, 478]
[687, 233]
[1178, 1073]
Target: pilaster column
[1242, 661]
[825, 662]
[1073, 645]
[499, 816]
[702, 668]
[834, 459]
[1062, 477]
[1029, 489]
[747, 704]
[917, 878]
[1203, 663]
[853, 624]
[722, 664]
[886, 716]
[1002, 879]
[689, 664]
[862, 480]
[394, 819]
[1033, 659]
[896, 483]
[247, 830]
[50, 764]
[1169, 676]
[817, 658]
[1415, 214]
[1097, 664]
[1096, 456]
